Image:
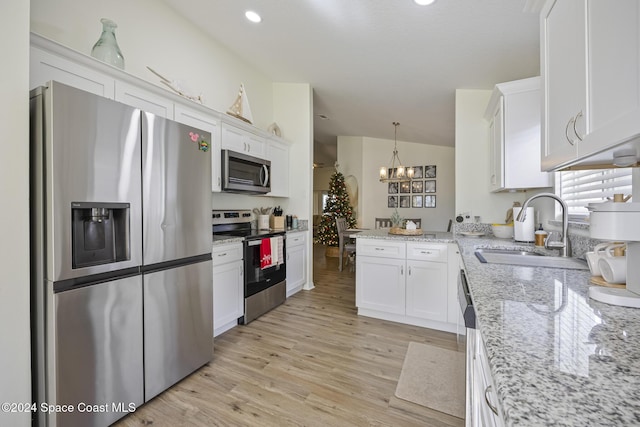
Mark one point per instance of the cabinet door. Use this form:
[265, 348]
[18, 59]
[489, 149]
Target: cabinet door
[210, 123]
[228, 296]
[614, 73]
[45, 66]
[496, 148]
[380, 284]
[144, 99]
[296, 268]
[255, 145]
[233, 138]
[279, 157]
[564, 75]
[427, 290]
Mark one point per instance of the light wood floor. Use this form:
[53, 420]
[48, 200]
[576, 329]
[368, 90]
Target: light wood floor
[310, 362]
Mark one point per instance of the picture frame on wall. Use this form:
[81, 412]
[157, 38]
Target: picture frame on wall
[405, 187]
[417, 187]
[405, 201]
[416, 201]
[392, 173]
[429, 201]
[392, 201]
[430, 186]
[430, 171]
[393, 188]
[417, 171]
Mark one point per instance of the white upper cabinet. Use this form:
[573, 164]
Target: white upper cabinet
[590, 64]
[514, 115]
[278, 155]
[138, 97]
[242, 141]
[45, 66]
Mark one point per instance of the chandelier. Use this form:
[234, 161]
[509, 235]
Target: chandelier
[395, 172]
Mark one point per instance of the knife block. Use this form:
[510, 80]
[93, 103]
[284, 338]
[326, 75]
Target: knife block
[276, 222]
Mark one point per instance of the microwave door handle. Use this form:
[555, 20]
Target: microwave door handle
[266, 175]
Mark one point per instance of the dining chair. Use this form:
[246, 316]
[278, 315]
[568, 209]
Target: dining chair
[345, 244]
[383, 223]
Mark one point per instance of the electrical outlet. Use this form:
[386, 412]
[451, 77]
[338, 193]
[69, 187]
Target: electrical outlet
[464, 217]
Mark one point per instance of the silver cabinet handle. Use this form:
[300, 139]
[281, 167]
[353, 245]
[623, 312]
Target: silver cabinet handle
[575, 121]
[379, 249]
[241, 271]
[401, 270]
[218, 181]
[566, 130]
[409, 270]
[426, 252]
[486, 399]
[223, 254]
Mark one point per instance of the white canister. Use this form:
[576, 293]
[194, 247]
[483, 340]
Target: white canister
[524, 231]
[263, 222]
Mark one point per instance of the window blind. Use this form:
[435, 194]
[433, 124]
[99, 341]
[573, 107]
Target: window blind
[579, 188]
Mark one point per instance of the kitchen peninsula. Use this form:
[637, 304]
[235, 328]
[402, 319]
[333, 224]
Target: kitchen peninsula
[408, 279]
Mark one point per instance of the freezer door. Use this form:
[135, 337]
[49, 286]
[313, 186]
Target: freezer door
[178, 324]
[98, 352]
[176, 190]
[90, 149]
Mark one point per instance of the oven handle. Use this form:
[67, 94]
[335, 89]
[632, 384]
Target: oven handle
[254, 242]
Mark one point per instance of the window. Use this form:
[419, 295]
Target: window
[581, 187]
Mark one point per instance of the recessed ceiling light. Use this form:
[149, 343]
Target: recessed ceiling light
[252, 16]
[424, 2]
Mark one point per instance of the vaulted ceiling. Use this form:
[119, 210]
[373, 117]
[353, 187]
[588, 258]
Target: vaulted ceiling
[372, 62]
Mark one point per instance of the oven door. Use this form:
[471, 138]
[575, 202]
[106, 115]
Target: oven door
[257, 279]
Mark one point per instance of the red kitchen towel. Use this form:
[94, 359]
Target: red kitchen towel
[265, 253]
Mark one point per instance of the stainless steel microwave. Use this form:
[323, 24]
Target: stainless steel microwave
[245, 174]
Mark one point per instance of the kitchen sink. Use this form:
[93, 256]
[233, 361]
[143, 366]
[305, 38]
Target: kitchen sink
[531, 259]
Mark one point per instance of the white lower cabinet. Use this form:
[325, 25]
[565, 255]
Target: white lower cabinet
[482, 405]
[404, 282]
[228, 286]
[380, 284]
[296, 261]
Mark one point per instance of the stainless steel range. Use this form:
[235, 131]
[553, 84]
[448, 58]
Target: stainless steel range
[265, 287]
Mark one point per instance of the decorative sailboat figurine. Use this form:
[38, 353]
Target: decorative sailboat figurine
[240, 107]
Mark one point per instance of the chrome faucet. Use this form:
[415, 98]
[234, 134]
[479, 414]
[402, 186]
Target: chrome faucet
[564, 246]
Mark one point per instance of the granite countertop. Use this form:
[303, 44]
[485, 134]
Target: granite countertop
[427, 236]
[556, 357]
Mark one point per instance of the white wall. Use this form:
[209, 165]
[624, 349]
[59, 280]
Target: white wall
[350, 164]
[472, 190]
[364, 156]
[15, 369]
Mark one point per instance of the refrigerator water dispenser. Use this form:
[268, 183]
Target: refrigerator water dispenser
[100, 233]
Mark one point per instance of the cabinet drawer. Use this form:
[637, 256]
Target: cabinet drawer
[380, 248]
[226, 253]
[427, 252]
[295, 239]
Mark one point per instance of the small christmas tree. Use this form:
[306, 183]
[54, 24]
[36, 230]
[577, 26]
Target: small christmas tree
[337, 207]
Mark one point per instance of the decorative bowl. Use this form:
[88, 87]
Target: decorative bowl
[502, 231]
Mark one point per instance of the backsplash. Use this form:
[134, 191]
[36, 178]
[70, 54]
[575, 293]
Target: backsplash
[580, 244]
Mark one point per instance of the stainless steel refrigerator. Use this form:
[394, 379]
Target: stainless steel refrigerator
[122, 298]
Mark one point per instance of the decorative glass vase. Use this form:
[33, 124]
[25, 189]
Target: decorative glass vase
[106, 48]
